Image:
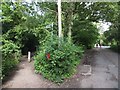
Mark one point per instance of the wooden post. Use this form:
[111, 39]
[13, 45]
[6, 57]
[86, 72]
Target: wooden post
[29, 56]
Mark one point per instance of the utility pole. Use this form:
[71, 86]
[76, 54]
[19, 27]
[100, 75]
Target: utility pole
[59, 21]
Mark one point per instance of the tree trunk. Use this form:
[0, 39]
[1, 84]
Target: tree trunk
[70, 22]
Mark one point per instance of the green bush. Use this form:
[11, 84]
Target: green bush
[10, 56]
[115, 48]
[62, 62]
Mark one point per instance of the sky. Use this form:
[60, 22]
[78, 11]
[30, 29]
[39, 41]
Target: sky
[103, 26]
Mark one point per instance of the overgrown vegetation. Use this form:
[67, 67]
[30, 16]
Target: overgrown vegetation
[87, 35]
[55, 62]
[113, 34]
[10, 56]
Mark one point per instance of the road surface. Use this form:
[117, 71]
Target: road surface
[104, 70]
[104, 73]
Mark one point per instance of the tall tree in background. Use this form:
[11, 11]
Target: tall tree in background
[81, 14]
[112, 35]
[77, 18]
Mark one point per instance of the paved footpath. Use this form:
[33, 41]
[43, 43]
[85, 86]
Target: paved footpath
[104, 64]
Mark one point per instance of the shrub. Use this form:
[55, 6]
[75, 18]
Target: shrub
[55, 62]
[115, 48]
[10, 56]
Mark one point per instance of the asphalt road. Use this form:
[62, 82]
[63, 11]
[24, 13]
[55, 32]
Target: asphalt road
[104, 70]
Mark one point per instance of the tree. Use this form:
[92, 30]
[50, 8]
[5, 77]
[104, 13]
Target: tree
[30, 25]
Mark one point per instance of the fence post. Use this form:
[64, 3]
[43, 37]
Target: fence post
[29, 54]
